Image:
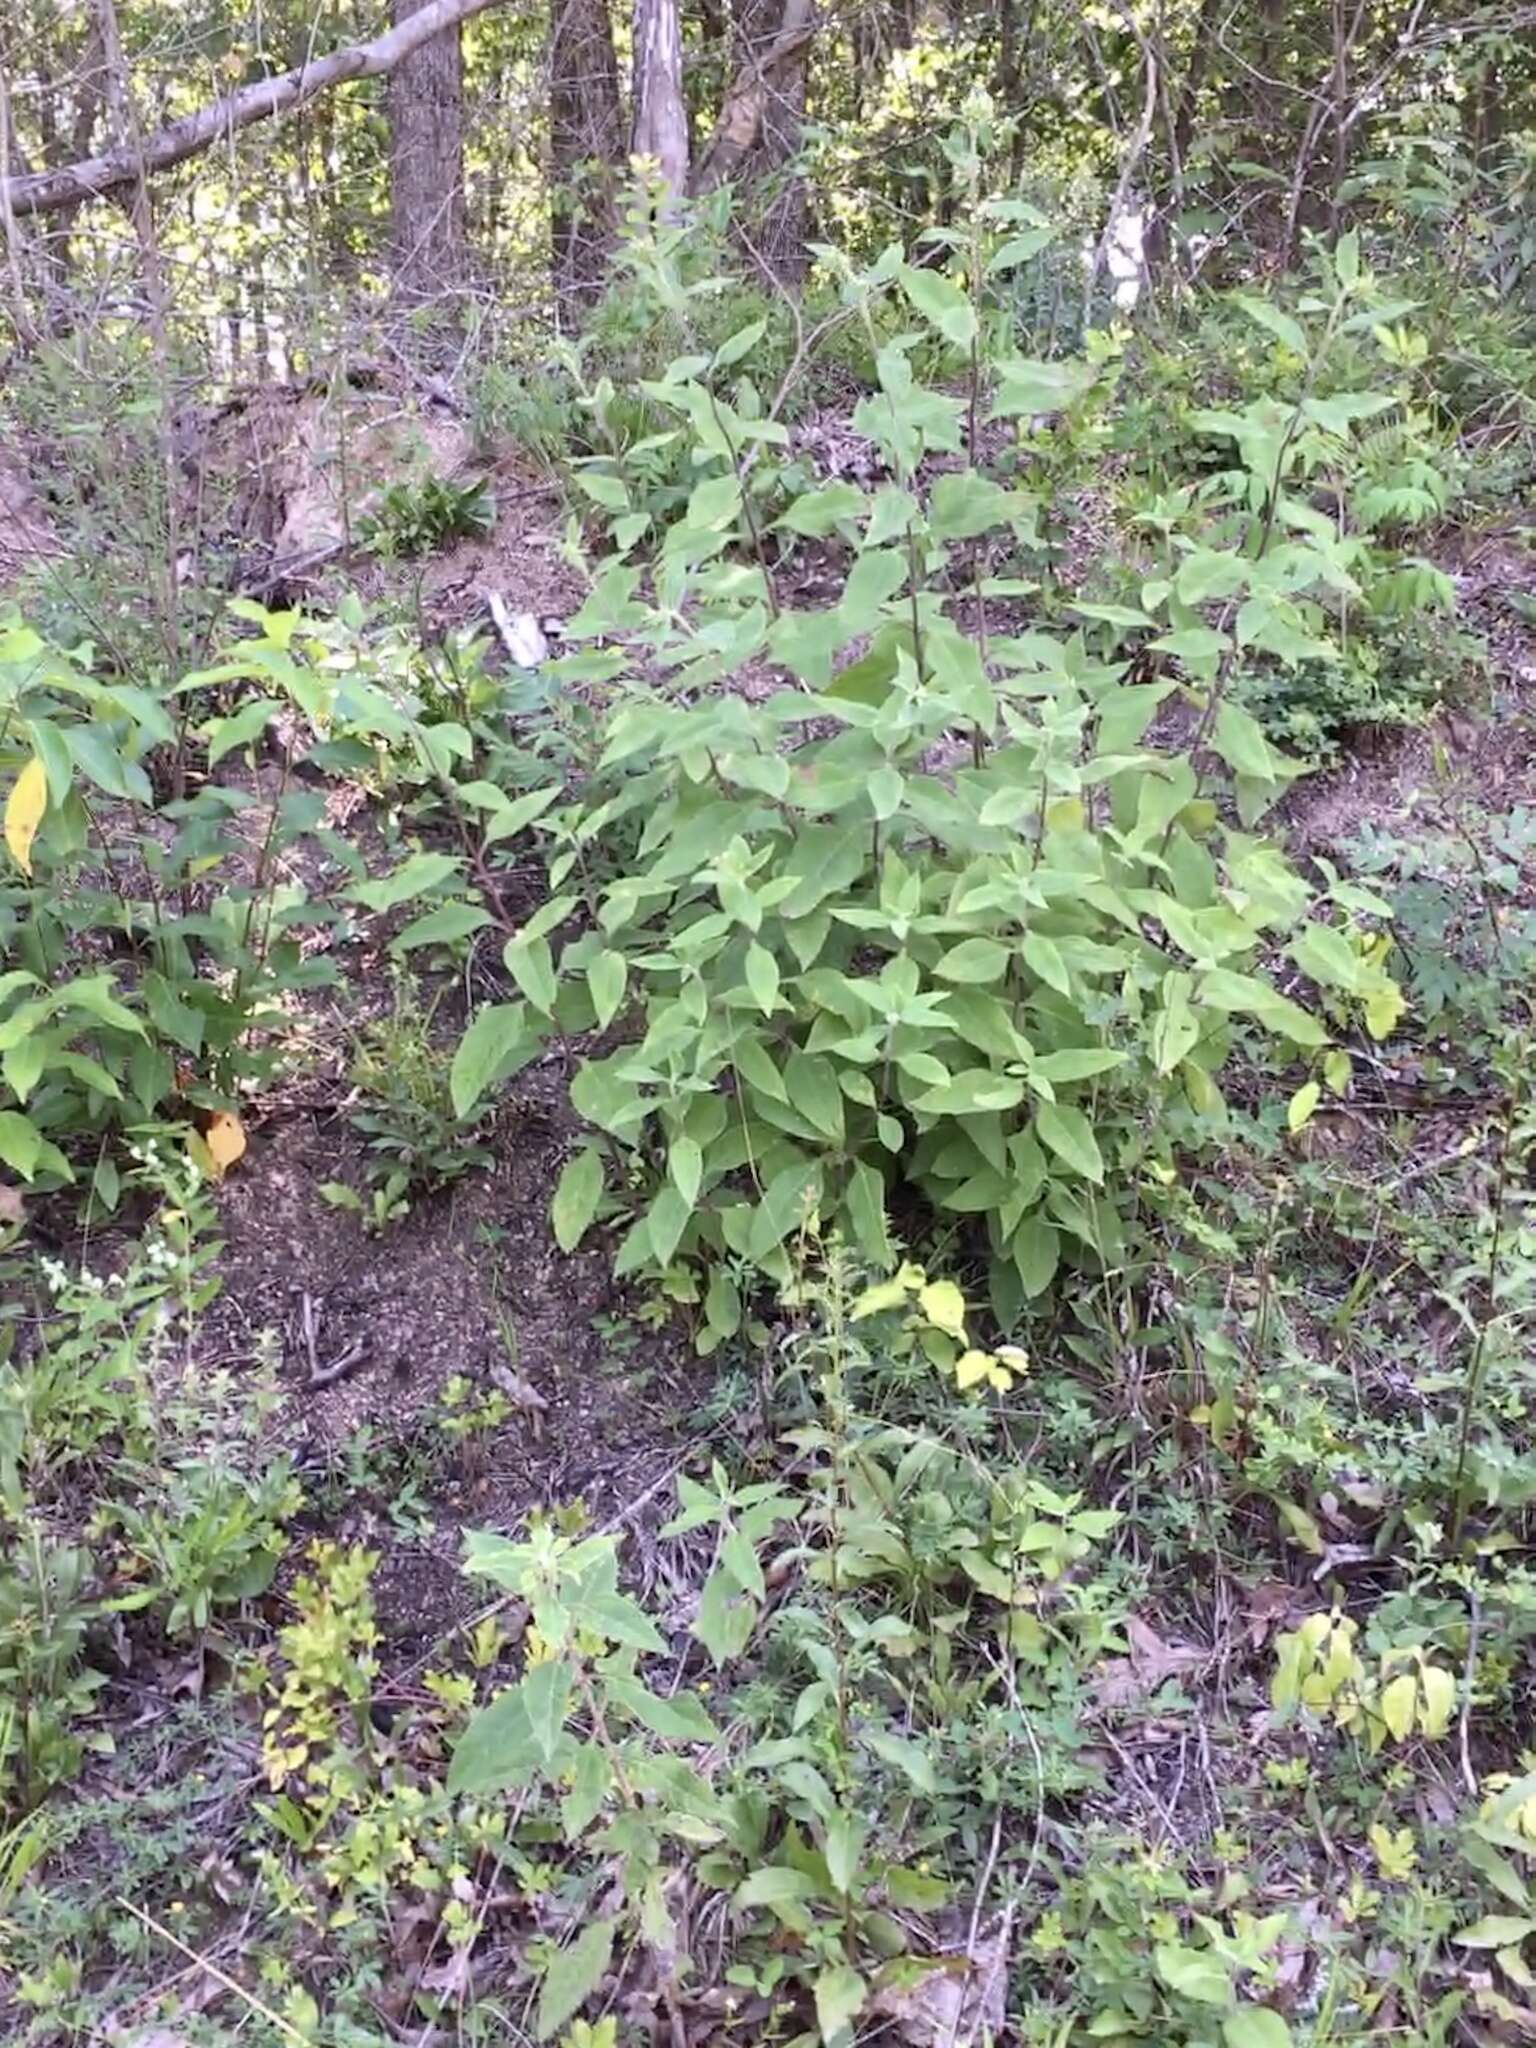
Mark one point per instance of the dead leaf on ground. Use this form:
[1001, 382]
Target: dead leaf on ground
[225, 1139]
[12, 1207]
[1123, 1681]
[949, 2001]
[1273, 1604]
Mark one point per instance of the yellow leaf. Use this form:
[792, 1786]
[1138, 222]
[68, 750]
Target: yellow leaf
[1299, 1111]
[24, 810]
[1065, 814]
[1383, 1009]
[1399, 1700]
[225, 1139]
[876, 1300]
[973, 1368]
[944, 1305]
[1301, 1526]
[1439, 1689]
[1337, 1070]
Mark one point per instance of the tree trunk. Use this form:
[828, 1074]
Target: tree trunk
[428, 261]
[586, 145]
[660, 130]
[771, 48]
[69, 185]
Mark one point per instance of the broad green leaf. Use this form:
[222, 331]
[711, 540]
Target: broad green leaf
[1221, 989]
[886, 787]
[816, 513]
[93, 993]
[755, 1066]
[620, 1619]
[546, 1689]
[574, 1973]
[843, 1846]
[866, 1212]
[1079, 1063]
[1020, 248]
[1255, 2026]
[1399, 1704]
[516, 814]
[679, 1719]
[591, 1782]
[414, 877]
[440, 927]
[910, 1758]
[685, 1163]
[973, 961]
[577, 1194]
[1496, 1930]
[1036, 1251]
[497, 1751]
[1044, 957]
[607, 977]
[240, 728]
[813, 1091]
[775, 1886]
[1207, 573]
[532, 967]
[722, 1304]
[1195, 1973]
[1266, 314]
[941, 303]
[762, 972]
[840, 1995]
[964, 504]
[1239, 739]
[21, 1143]
[665, 1222]
[741, 343]
[788, 1198]
[498, 1044]
[1032, 386]
[1068, 1133]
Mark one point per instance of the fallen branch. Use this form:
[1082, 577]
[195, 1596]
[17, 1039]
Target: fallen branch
[47, 191]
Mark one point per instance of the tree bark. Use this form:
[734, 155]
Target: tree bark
[47, 191]
[428, 258]
[586, 145]
[758, 133]
[660, 130]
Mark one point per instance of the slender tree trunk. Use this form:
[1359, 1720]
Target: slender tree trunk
[428, 260]
[586, 147]
[660, 130]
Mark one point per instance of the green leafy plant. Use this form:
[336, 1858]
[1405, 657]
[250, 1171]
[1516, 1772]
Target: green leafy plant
[414, 519]
[857, 949]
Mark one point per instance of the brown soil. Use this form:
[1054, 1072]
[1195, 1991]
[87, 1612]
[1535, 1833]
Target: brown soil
[1477, 758]
[469, 1282]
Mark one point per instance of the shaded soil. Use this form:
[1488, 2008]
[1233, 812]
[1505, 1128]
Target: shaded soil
[368, 1331]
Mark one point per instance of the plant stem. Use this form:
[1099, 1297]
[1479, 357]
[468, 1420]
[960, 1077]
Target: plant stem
[1478, 1360]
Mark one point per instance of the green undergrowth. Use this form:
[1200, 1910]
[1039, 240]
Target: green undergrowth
[1097, 1606]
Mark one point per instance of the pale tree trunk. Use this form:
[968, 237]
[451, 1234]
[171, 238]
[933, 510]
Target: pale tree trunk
[586, 148]
[428, 261]
[660, 130]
